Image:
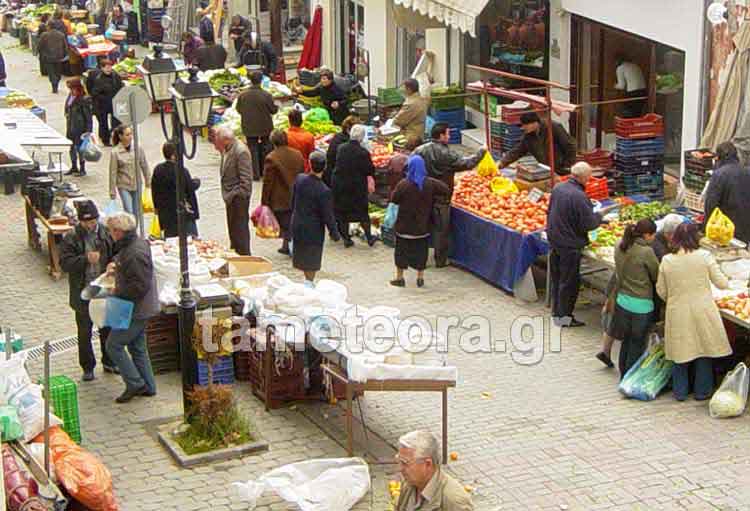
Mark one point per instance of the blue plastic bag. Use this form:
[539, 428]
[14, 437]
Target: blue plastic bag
[111, 208]
[88, 149]
[429, 122]
[118, 313]
[391, 214]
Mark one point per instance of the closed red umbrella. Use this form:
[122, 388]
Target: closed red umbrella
[311, 50]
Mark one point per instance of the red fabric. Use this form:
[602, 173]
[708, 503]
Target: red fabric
[310, 58]
[303, 142]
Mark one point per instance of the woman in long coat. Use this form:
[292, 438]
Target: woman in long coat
[338, 140]
[694, 332]
[350, 197]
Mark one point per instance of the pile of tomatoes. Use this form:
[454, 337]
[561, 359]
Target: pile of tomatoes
[381, 155]
[514, 210]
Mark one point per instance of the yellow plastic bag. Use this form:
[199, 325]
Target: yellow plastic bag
[487, 166]
[719, 229]
[147, 201]
[155, 231]
[502, 186]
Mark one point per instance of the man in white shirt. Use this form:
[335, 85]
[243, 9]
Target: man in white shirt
[631, 81]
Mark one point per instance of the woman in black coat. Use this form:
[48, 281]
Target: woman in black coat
[350, 197]
[164, 194]
[340, 138]
[79, 112]
[312, 212]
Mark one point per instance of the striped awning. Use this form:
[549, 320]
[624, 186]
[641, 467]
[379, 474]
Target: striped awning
[458, 14]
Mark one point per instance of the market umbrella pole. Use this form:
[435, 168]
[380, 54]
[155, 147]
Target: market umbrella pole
[138, 178]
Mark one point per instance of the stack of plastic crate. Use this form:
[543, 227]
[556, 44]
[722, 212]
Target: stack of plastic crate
[503, 137]
[699, 164]
[223, 371]
[63, 394]
[639, 156]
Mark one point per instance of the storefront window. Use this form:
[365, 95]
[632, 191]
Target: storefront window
[352, 32]
[410, 47]
[295, 20]
[512, 36]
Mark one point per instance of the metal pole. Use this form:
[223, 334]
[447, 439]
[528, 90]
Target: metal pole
[46, 408]
[138, 177]
[487, 129]
[550, 140]
[187, 305]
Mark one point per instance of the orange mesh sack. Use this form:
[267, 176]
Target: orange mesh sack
[81, 473]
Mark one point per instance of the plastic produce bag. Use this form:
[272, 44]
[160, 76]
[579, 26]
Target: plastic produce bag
[314, 485]
[266, 225]
[649, 375]
[147, 202]
[502, 186]
[112, 208]
[720, 228]
[10, 424]
[391, 214]
[155, 230]
[487, 166]
[731, 398]
[88, 149]
[118, 313]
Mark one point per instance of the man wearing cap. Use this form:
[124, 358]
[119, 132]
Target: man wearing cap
[86, 252]
[534, 142]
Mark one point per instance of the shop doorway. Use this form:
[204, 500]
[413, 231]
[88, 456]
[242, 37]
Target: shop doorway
[410, 45]
[597, 51]
[350, 33]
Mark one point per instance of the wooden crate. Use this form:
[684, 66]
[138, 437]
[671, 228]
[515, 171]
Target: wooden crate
[162, 339]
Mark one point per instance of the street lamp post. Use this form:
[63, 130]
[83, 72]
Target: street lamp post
[191, 101]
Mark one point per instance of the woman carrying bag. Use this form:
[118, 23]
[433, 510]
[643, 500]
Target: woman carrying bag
[79, 112]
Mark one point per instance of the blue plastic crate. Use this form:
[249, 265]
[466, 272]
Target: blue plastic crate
[457, 116]
[388, 236]
[223, 371]
[640, 168]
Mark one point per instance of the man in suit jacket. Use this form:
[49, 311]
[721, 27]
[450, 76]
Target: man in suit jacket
[411, 117]
[256, 108]
[236, 187]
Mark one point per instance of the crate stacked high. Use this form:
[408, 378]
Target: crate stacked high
[448, 106]
[699, 164]
[602, 163]
[639, 156]
[504, 136]
[163, 343]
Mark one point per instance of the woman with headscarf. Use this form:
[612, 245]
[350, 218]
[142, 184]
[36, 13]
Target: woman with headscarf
[350, 196]
[415, 195]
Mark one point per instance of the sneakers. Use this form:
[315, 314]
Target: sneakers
[129, 394]
[420, 282]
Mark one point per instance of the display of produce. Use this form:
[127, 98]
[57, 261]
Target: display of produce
[473, 193]
[606, 235]
[669, 82]
[220, 78]
[653, 210]
[19, 99]
[381, 154]
[738, 305]
[318, 122]
[127, 66]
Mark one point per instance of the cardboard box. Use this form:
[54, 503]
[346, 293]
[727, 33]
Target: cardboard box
[243, 266]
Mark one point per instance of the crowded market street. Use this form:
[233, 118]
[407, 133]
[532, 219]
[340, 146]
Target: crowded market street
[550, 435]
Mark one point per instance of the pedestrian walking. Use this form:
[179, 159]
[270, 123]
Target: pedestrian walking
[416, 196]
[205, 25]
[105, 84]
[300, 139]
[53, 51]
[78, 120]
[135, 281]
[399, 161]
[636, 271]
[693, 332]
[236, 187]
[124, 165]
[338, 139]
[84, 255]
[282, 166]
[350, 197]
[256, 108]
[312, 212]
[164, 194]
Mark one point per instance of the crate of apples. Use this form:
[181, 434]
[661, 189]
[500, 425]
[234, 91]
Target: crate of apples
[737, 305]
[514, 210]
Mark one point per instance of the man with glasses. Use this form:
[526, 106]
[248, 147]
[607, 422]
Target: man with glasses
[426, 486]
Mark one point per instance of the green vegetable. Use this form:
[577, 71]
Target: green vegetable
[127, 65]
[646, 380]
[669, 81]
[652, 210]
[219, 80]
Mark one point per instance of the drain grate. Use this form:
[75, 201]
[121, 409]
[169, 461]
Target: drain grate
[55, 347]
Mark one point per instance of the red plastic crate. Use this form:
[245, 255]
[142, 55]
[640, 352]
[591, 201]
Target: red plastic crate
[599, 159]
[648, 126]
[596, 188]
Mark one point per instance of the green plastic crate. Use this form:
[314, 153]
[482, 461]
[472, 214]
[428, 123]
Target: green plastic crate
[16, 344]
[64, 402]
[390, 96]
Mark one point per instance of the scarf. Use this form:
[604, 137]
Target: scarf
[416, 171]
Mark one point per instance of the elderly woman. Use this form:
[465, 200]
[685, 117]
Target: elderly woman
[124, 164]
[694, 332]
[339, 138]
[281, 168]
[415, 196]
[350, 197]
[133, 271]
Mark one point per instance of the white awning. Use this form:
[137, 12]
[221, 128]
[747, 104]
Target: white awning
[458, 14]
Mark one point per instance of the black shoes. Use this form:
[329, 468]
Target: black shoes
[88, 376]
[284, 251]
[71, 172]
[574, 323]
[604, 359]
[398, 282]
[111, 369]
[348, 243]
[420, 282]
[129, 394]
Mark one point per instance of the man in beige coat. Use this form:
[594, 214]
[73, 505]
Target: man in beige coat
[236, 187]
[413, 112]
[426, 487]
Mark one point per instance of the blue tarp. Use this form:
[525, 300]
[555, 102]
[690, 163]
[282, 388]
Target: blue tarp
[494, 252]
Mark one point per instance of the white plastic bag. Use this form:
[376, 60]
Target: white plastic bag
[314, 485]
[731, 398]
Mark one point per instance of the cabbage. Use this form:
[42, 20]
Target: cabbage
[726, 403]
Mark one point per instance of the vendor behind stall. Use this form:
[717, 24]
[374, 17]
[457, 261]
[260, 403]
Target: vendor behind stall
[729, 190]
[254, 52]
[210, 56]
[411, 116]
[534, 142]
[631, 81]
[237, 30]
[331, 95]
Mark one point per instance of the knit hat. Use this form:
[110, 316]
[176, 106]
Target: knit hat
[86, 210]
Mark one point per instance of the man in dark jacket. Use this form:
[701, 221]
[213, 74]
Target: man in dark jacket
[206, 26]
[331, 95]
[236, 187]
[210, 56]
[569, 220]
[53, 51]
[255, 52]
[534, 142]
[135, 281]
[256, 108]
[442, 164]
[238, 30]
[105, 85]
[164, 193]
[729, 190]
[84, 255]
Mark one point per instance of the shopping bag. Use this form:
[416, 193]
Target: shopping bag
[10, 424]
[720, 229]
[502, 186]
[118, 313]
[391, 214]
[147, 201]
[370, 184]
[111, 208]
[487, 166]
[266, 225]
[731, 398]
[88, 149]
[649, 375]
[155, 230]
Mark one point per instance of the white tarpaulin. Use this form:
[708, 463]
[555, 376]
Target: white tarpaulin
[459, 14]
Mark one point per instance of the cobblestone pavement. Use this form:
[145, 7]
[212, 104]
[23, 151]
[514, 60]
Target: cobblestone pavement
[554, 435]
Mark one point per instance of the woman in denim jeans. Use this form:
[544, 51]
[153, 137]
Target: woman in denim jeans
[694, 331]
[124, 165]
[636, 270]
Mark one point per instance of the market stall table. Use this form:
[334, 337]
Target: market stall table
[55, 232]
[23, 128]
